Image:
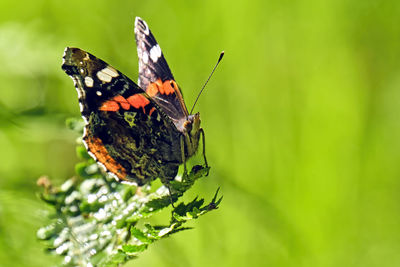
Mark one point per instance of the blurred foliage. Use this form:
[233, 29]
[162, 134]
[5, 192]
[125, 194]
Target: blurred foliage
[99, 222]
[301, 121]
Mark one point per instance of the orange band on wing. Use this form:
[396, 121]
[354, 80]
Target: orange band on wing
[95, 145]
[122, 101]
[152, 110]
[109, 105]
[138, 101]
[152, 89]
[165, 88]
[168, 87]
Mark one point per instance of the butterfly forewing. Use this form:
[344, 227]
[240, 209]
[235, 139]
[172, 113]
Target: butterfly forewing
[156, 78]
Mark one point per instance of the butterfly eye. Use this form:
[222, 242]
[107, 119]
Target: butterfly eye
[187, 126]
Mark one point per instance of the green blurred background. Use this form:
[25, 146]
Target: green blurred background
[301, 118]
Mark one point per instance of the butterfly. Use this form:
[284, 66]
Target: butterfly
[137, 133]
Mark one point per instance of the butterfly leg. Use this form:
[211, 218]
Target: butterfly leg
[204, 148]
[170, 196]
[183, 155]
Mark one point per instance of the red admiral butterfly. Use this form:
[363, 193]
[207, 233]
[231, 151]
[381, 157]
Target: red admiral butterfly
[136, 133]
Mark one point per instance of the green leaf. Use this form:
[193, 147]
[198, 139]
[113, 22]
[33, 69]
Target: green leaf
[134, 248]
[100, 222]
[141, 236]
[115, 259]
[75, 124]
[81, 152]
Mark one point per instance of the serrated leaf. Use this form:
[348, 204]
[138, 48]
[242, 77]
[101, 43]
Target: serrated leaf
[95, 216]
[141, 236]
[115, 259]
[134, 248]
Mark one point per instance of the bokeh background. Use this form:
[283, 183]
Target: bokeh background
[301, 118]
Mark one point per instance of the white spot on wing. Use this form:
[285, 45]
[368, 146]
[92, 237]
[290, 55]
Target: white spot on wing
[84, 143]
[145, 30]
[155, 53]
[80, 106]
[79, 87]
[98, 93]
[89, 81]
[103, 76]
[145, 57]
[92, 155]
[107, 74]
[80, 95]
[79, 91]
[102, 166]
[65, 53]
[85, 120]
[110, 71]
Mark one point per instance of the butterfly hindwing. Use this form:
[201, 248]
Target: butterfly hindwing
[125, 131]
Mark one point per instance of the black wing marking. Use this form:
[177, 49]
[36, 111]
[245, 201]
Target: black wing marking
[156, 78]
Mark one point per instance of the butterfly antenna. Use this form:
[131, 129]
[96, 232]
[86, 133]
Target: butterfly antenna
[216, 65]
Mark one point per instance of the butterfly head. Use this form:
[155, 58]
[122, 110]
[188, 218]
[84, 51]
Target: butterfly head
[192, 125]
[195, 120]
